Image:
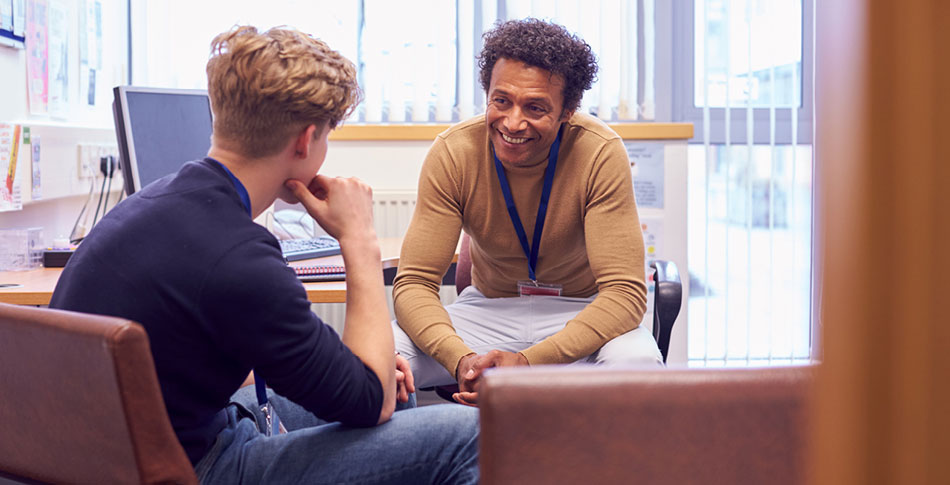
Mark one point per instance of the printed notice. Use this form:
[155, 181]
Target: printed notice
[646, 165]
[652, 228]
[58, 73]
[90, 49]
[37, 186]
[37, 60]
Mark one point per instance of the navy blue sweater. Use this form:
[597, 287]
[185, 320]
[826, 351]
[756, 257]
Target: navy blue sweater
[183, 258]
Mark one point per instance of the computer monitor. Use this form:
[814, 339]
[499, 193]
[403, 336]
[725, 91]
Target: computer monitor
[158, 130]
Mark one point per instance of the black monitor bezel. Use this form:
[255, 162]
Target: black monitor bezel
[123, 129]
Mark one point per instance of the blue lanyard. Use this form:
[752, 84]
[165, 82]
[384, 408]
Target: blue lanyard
[242, 192]
[530, 252]
[246, 201]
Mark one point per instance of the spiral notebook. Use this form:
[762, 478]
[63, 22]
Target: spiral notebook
[320, 272]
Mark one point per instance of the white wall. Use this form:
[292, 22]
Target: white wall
[385, 165]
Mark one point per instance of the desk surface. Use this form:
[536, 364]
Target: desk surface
[36, 286]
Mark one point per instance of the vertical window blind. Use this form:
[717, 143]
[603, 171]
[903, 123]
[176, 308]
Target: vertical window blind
[750, 197]
[413, 68]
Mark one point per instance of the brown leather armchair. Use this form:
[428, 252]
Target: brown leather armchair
[649, 426]
[80, 402]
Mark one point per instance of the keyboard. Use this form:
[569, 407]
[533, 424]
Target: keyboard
[318, 247]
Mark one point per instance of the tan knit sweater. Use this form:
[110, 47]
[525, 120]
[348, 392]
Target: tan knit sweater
[591, 241]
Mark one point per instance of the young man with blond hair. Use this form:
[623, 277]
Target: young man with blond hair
[184, 258]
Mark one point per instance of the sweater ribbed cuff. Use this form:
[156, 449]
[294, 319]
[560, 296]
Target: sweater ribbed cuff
[450, 352]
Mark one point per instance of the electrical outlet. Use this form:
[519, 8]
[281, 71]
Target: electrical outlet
[89, 155]
[88, 162]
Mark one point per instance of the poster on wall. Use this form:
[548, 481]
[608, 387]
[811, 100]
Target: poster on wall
[652, 228]
[646, 161]
[58, 55]
[36, 190]
[19, 18]
[11, 23]
[9, 154]
[90, 49]
[6, 15]
[37, 66]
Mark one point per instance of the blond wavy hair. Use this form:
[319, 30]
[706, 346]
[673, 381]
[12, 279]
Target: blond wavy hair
[265, 87]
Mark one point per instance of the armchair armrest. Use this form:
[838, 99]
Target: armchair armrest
[584, 424]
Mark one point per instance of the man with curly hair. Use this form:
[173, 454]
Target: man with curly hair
[184, 258]
[545, 194]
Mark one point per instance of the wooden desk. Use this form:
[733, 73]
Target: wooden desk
[36, 286]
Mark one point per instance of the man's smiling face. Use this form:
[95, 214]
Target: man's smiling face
[525, 110]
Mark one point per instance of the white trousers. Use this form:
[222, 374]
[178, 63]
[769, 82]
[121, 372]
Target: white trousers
[514, 324]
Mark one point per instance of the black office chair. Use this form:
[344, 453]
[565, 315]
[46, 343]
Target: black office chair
[667, 299]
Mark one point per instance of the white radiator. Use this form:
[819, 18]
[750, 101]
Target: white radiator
[392, 211]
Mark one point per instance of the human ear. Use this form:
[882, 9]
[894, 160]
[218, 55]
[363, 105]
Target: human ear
[302, 141]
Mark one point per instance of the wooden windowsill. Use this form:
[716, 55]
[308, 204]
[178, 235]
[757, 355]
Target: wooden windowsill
[428, 132]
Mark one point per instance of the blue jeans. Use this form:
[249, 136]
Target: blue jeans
[431, 444]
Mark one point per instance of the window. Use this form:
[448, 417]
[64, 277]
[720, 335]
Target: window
[744, 79]
[759, 56]
[749, 250]
[413, 68]
[408, 61]
[171, 39]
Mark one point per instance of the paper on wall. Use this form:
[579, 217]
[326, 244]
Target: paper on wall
[6, 15]
[59, 73]
[90, 49]
[19, 17]
[646, 161]
[652, 228]
[37, 56]
[36, 188]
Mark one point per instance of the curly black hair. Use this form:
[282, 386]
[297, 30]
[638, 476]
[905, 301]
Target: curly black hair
[541, 44]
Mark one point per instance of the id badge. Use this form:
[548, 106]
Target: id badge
[533, 288]
[272, 424]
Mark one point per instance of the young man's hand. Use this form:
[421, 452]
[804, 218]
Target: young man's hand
[342, 206]
[470, 369]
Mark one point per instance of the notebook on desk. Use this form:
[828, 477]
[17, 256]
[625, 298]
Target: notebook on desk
[321, 272]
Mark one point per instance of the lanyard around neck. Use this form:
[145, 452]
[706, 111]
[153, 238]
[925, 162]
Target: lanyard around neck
[238, 186]
[530, 252]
